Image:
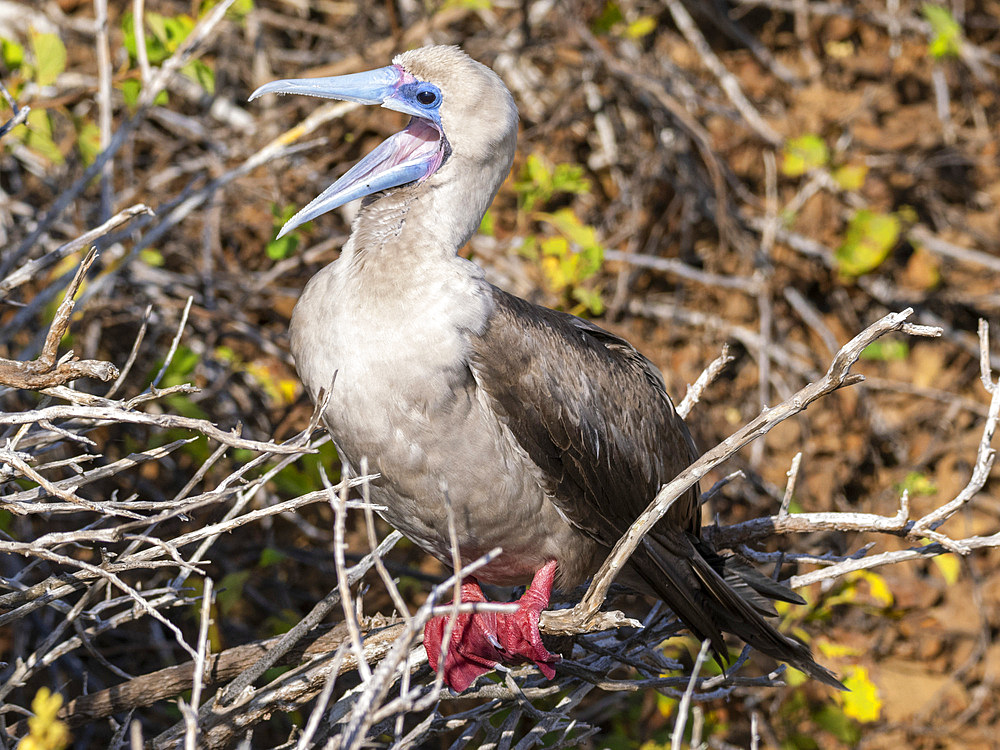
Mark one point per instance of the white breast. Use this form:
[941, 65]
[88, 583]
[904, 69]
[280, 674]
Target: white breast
[404, 397]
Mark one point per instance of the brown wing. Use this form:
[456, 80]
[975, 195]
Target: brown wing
[590, 411]
[593, 414]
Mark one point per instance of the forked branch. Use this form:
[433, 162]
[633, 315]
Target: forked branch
[45, 371]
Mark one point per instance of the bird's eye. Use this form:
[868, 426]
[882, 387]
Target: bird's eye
[427, 97]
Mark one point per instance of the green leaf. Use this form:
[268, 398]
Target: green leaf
[38, 136]
[282, 247]
[591, 300]
[130, 92]
[50, 57]
[128, 35]
[610, 16]
[281, 622]
[163, 36]
[946, 40]
[201, 74]
[238, 11]
[869, 238]
[836, 722]
[583, 235]
[279, 249]
[270, 556]
[569, 259]
[862, 703]
[539, 181]
[468, 4]
[886, 350]
[229, 591]
[181, 368]
[12, 54]
[132, 87]
[919, 484]
[568, 178]
[529, 248]
[88, 141]
[486, 225]
[803, 154]
[169, 31]
[155, 51]
[151, 257]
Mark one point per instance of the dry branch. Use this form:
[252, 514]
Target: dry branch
[578, 618]
[45, 372]
[387, 647]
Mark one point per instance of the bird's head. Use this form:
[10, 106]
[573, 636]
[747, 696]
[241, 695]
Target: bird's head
[463, 118]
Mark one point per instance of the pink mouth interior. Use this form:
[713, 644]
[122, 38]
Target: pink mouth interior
[419, 141]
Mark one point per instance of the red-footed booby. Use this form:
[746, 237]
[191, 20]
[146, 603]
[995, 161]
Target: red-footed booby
[546, 434]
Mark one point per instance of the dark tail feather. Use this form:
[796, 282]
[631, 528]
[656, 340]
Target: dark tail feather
[710, 593]
[753, 587]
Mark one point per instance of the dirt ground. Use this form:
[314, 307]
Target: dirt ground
[769, 175]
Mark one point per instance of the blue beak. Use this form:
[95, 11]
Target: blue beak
[411, 155]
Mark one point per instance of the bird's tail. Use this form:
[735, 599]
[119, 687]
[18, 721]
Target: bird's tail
[711, 594]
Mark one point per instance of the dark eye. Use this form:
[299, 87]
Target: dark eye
[426, 97]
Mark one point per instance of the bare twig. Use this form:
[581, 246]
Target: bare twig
[32, 268]
[677, 736]
[20, 113]
[45, 372]
[707, 377]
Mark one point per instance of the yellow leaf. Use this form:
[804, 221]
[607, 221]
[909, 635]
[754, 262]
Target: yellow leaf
[869, 239]
[839, 50]
[665, 704]
[850, 176]
[803, 154]
[289, 389]
[947, 33]
[832, 650]
[38, 136]
[553, 273]
[45, 731]
[949, 567]
[88, 141]
[278, 389]
[640, 27]
[862, 703]
[877, 587]
[794, 677]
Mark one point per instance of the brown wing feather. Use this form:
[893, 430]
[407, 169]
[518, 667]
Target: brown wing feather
[590, 411]
[593, 414]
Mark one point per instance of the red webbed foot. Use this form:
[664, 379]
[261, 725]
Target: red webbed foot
[483, 640]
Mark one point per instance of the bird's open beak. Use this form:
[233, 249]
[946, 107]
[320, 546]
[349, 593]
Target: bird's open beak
[411, 155]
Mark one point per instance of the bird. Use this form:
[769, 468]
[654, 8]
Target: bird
[529, 429]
